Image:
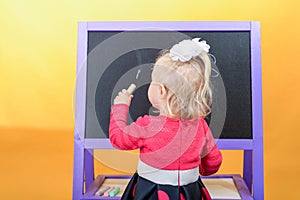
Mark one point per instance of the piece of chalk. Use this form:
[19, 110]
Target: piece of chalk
[106, 194]
[114, 192]
[101, 191]
[137, 74]
[131, 88]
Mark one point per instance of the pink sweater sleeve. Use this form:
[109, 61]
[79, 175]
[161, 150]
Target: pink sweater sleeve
[121, 135]
[211, 157]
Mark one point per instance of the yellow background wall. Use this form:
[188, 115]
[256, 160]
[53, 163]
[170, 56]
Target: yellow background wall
[37, 79]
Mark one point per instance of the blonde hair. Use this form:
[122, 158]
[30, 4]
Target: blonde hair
[187, 84]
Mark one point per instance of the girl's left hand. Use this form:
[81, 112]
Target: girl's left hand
[123, 98]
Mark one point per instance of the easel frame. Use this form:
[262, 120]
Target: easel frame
[253, 171]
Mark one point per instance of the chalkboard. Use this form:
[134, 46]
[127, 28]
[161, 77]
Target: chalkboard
[117, 58]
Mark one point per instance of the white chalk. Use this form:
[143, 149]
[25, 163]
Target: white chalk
[131, 88]
[137, 74]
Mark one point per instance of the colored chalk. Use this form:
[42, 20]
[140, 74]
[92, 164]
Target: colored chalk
[101, 191]
[106, 193]
[114, 192]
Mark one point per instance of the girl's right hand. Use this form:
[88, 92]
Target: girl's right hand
[124, 97]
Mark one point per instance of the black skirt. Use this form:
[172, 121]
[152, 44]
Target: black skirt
[140, 188]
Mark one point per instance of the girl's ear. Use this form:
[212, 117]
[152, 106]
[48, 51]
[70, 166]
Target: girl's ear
[163, 91]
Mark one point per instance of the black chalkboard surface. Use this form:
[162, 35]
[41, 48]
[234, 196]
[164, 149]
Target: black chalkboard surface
[110, 69]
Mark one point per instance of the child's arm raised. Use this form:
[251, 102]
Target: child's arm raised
[121, 135]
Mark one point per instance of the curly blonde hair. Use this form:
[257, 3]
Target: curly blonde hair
[187, 84]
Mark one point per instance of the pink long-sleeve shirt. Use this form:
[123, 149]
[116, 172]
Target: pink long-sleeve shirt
[166, 143]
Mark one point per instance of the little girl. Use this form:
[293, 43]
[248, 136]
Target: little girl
[177, 145]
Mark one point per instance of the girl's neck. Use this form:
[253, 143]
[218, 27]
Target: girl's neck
[164, 114]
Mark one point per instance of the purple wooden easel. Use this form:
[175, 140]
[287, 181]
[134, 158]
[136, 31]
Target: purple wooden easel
[250, 185]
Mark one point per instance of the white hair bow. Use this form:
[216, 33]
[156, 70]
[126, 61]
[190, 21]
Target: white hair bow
[187, 49]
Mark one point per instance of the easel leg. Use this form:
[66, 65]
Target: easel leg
[78, 169]
[88, 167]
[258, 171]
[248, 168]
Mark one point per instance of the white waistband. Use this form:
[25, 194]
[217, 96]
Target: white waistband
[167, 177]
